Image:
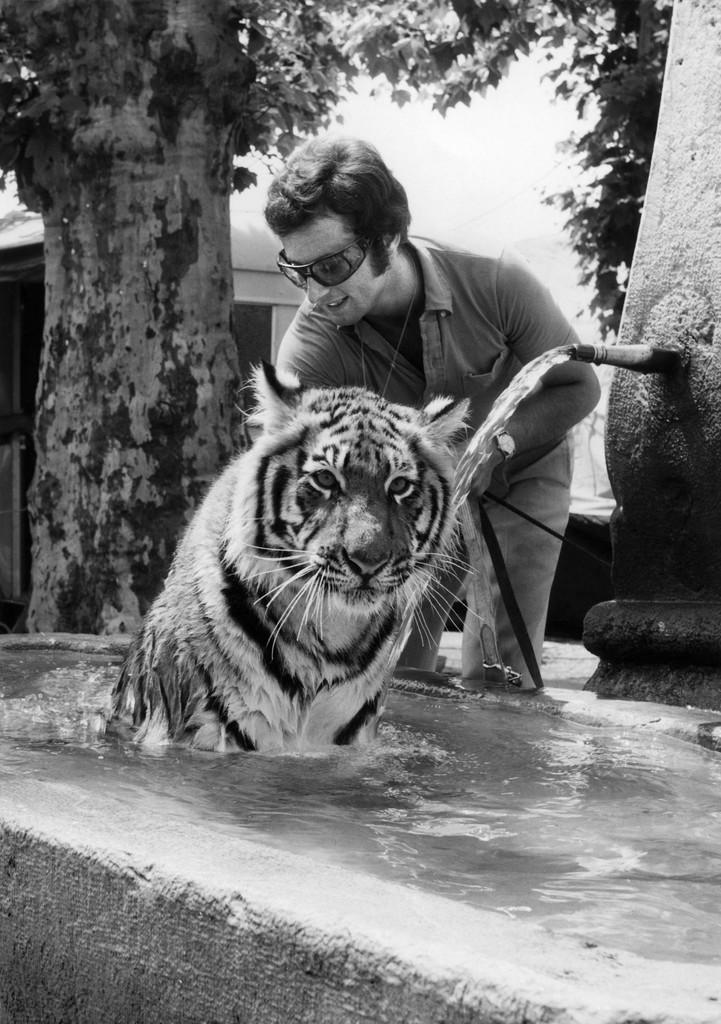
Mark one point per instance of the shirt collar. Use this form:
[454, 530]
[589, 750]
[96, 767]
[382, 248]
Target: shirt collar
[437, 290]
[438, 296]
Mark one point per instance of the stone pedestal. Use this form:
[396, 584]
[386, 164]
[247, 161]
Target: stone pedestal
[660, 639]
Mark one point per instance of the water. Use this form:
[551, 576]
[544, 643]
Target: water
[478, 451]
[480, 448]
[582, 830]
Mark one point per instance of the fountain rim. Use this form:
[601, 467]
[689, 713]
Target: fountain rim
[400, 939]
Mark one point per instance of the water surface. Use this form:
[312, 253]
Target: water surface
[584, 830]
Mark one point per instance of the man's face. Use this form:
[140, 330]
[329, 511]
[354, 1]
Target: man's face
[364, 293]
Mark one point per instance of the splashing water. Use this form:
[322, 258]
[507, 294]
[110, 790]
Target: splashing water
[481, 448]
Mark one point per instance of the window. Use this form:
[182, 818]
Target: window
[252, 330]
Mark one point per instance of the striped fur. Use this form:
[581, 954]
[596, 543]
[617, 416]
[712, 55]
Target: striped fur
[275, 624]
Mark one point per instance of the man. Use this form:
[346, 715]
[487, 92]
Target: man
[410, 319]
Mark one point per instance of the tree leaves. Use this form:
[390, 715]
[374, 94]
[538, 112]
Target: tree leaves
[614, 67]
[607, 56]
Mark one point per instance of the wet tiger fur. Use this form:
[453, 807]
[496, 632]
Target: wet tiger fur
[275, 624]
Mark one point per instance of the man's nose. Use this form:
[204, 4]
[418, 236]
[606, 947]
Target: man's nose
[315, 292]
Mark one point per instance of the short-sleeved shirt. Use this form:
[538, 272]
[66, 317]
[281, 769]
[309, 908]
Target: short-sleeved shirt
[485, 315]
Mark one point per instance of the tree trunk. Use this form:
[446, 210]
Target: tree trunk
[136, 401]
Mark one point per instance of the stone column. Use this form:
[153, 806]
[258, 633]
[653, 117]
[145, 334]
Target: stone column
[660, 639]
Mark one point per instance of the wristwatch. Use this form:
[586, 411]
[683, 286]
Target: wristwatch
[505, 444]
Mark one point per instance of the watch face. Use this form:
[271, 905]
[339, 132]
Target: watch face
[506, 444]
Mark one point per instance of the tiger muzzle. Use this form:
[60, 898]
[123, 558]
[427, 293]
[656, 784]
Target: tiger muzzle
[368, 543]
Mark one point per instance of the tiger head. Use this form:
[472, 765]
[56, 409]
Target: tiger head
[347, 487]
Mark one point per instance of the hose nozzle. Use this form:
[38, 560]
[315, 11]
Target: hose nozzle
[641, 358]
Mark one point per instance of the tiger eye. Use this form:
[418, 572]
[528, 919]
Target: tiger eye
[324, 479]
[400, 486]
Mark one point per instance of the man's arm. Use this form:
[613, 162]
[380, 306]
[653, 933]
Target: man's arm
[566, 393]
[533, 324]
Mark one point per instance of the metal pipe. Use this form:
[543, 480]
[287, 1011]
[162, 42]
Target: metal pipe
[642, 358]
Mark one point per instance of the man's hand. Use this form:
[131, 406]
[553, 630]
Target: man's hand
[482, 476]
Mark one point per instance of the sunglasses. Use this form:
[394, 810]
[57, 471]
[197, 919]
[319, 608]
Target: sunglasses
[328, 270]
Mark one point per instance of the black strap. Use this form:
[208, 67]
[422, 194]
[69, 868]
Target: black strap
[509, 598]
[564, 538]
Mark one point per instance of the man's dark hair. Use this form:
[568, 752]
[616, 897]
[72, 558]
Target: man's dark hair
[341, 176]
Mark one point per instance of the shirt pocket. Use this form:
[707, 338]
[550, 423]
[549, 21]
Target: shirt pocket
[484, 388]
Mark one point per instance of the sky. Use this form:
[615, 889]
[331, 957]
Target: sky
[481, 169]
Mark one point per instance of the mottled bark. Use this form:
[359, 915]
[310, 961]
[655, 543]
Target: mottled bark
[136, 400]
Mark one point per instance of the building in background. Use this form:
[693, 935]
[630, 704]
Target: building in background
[21, 331]
[265, 301]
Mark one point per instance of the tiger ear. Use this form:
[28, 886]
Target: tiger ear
[445, 418]
[277, 395]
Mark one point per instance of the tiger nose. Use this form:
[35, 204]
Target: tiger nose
[364, 564]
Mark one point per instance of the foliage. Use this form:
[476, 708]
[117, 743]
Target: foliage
[615, 67]
[451, 50]
[299, 72]
[608, 56]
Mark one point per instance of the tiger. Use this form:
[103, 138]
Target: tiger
[276, 622]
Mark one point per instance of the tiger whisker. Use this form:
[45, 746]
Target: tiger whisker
[436, 605]
[298, 596]
[276, 563]
[288, 610]
[270, 594]
[316, 602]
[273, 572]
[274, 547]
[275, 592]
[279, 625]
[308, 604]
[441, 560]
[435, 594]
[274, 555]
[417, 615]
[286, 560]
[434, 585]
[320, 598]
[421, 623]
[432, 581]
[429, 585]
[314, 598]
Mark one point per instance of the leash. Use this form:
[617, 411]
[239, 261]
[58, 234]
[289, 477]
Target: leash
[479, 598]
[554, 533]
[509, 598]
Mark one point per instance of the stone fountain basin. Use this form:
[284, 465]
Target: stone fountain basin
[108, 915]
